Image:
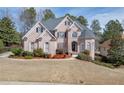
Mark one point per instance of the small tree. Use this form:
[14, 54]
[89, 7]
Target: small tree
[8, 32]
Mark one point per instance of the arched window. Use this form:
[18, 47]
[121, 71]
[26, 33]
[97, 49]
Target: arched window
[74, 34]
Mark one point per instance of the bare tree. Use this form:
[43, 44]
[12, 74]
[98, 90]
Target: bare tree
[39, 15]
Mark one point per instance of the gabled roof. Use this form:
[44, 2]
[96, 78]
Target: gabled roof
[85, 32]
[52, 23]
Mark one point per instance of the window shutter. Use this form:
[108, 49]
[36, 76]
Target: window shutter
[37, 29]
[42, 29]
[65, 23]
[58, 34]
[65, 34]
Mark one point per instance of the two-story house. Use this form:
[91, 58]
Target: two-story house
[60, 33]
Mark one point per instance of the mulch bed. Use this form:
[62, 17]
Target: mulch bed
[56, 56]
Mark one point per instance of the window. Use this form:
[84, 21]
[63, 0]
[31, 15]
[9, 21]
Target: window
[74, 34]
[60, 45]
[32, 45]
[42, 29]
[46, 47]
[67, 23]
[39, 29]
[89, 46]
[61, 34]
[82, 47]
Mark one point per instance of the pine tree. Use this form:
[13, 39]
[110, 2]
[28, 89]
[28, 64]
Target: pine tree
[83, 20]
[112, 29]
[8, 32]
[116, 52]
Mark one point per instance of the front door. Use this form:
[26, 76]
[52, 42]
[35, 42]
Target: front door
[74, 46]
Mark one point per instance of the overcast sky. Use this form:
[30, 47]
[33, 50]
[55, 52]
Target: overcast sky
[102, 14]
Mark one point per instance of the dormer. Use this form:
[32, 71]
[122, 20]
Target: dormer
[40, 29]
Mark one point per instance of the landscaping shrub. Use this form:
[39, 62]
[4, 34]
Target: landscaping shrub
[87, 52]
[105, 59]
[61, 51]
[98, 58]
[27, 53]
[83, 56]
[28, 57]
[38, 52]
[46, 55]
[17, 51]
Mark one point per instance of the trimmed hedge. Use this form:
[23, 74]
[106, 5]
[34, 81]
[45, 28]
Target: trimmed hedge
[27, 53]
[17, 51]
[61, 51]
[38, 52]
[85, 55]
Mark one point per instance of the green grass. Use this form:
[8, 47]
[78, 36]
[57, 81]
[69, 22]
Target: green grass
[104, 64]
[28, 57]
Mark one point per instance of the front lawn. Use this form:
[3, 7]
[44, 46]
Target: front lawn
[58, 71]
[104, 64]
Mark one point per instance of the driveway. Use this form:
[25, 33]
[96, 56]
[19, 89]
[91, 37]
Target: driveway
[6, 54]
[59, 71]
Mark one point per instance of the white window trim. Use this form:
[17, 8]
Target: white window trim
[76, 36]
[58, 34]
[45, 47]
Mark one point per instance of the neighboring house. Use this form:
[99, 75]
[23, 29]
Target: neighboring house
[60, 33]
[104, 47]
